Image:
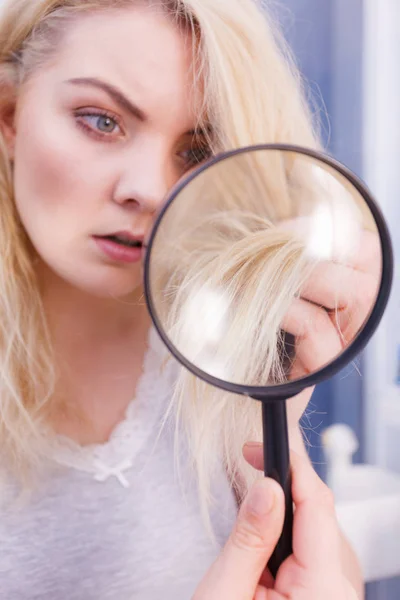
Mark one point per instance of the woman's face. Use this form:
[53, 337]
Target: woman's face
[101, 135]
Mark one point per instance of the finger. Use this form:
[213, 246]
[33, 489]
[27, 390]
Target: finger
[296, 408]
[237, 571]
[336, 286]
[313, 501]
[369, 256]
[261, 593]
[266, 579]
[316, 540]
[253, 452]
[349, 295]
[317, 340]
[298, 370]
[365, 256]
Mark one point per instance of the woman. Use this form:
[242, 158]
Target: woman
[104, 106]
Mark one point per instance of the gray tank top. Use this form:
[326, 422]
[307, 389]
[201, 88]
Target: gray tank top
[114, 522]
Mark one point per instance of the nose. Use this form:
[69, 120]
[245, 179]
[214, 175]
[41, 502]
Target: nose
[142, 185]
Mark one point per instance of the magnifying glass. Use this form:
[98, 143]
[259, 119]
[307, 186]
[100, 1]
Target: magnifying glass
[267, 271]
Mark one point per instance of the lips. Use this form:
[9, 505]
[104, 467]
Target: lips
[120, 247]
[124, 238]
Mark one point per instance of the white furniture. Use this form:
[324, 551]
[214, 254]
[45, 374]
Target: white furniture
[367, 505]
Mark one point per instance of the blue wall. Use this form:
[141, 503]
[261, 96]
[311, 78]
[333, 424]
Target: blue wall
[326, 37]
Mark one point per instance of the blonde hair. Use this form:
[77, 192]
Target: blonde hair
[253, 94]
[231, 254]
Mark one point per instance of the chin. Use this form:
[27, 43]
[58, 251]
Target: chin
[109, 283]
[103, 281]
[111, 289]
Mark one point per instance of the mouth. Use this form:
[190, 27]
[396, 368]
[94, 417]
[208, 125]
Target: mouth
[123, 238]
[121, 246]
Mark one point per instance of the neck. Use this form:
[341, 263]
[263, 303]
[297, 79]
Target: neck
[99, 345]
[74, 313]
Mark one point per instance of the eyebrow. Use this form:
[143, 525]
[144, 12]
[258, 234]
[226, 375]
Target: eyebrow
[113, 92]
[124, 103]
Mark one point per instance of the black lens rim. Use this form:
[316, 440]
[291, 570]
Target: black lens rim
[287, 390]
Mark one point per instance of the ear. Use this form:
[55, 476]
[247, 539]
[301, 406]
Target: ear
[8, 100]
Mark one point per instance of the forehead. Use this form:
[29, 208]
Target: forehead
[139, 50]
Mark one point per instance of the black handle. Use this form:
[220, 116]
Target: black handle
[277, 466]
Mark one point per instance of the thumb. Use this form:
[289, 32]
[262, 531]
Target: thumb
[237, 571]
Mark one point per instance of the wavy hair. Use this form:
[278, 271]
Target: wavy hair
[253, 94]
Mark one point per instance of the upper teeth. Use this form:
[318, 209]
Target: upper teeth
[127, 241]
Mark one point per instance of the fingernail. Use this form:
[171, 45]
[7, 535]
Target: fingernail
[261, 498]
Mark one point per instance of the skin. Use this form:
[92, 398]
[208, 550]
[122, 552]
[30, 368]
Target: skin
[74, 180]
[313, 571]
[334, 303]
[316, 495]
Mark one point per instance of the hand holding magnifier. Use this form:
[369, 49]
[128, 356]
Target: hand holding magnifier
[268, 269]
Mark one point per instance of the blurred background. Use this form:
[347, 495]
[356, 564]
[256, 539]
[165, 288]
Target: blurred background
[349, 53]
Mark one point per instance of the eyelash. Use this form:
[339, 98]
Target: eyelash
[90, 130]
[205, 155]
[204, 149]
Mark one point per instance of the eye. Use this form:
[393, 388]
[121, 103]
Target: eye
[195, 155]
[106, 124]
[100, 124]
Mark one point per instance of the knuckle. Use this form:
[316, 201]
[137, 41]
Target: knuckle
[369, 292]
[326, 497]
[248, 536]
[317, 324]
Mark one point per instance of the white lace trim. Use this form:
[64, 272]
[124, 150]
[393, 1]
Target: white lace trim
[115, 457]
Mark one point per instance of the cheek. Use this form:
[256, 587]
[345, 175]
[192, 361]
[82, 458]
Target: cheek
[44, 167]
[54, 187]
